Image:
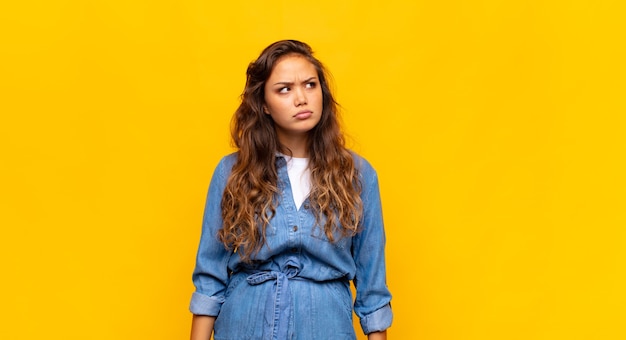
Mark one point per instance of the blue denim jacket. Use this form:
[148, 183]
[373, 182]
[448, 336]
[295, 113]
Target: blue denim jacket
[296, 249]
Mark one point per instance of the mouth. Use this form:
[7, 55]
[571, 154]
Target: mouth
[304, 114]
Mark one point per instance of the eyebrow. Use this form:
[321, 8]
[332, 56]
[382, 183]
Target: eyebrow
[291, 83]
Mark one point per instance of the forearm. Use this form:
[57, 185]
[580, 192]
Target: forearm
[377, 335]
[202, 327]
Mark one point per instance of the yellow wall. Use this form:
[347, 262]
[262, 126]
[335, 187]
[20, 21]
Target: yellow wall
[497, 128]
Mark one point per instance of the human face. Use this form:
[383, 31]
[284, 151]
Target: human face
[293, 97]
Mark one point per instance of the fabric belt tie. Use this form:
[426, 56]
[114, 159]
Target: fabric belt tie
[278, 306]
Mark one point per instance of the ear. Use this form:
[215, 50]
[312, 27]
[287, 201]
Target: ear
[265, 110]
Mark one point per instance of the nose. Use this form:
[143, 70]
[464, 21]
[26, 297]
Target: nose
[300, 97]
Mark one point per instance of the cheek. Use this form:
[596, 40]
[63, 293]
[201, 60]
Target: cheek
[320, 100]
[271, 104]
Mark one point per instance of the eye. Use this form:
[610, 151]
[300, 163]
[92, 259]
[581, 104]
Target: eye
[311, 85]
[283, 89]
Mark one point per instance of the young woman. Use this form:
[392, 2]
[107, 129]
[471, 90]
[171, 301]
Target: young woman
[291, 217]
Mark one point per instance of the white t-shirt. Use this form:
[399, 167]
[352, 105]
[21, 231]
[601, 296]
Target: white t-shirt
[300, 178]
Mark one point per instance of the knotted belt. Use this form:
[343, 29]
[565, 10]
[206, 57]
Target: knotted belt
[278, 306]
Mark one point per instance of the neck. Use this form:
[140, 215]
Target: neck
[296, 144]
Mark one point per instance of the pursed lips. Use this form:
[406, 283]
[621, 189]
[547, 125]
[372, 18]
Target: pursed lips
[304, 114]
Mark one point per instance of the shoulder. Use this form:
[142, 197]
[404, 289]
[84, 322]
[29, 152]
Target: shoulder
[225, 164]
[365, 168]
[228, 160]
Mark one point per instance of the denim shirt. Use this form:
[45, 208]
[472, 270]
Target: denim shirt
[292, 236]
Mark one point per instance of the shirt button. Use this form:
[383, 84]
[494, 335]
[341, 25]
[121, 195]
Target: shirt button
[294, 250]
[295, 228]
[306, 206]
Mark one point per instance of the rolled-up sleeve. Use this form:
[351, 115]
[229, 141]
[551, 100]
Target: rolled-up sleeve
[372, 303]
[210, 276]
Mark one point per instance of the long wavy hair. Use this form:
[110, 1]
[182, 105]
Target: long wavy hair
[250, 197]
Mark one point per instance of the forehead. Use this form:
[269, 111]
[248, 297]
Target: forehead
[293, 65]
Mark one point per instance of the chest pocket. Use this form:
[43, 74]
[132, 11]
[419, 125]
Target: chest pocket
[338, 241]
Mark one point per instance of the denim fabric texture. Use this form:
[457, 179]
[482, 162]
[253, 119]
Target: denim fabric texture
[298, 286]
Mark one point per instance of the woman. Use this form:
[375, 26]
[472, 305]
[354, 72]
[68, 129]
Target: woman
[291, 217]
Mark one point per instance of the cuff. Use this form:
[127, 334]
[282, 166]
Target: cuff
[378, 320]
[205, 305]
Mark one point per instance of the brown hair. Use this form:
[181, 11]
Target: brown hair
[249, 199]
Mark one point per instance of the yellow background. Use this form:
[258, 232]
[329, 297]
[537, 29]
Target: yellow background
[497, 129]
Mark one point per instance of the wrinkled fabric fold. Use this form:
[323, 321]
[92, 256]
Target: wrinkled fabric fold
[278, 305]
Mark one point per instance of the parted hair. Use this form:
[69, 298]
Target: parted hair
[250, 196]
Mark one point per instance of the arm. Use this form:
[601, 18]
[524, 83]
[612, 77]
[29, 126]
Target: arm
[210, 275]
[202, 327]
[377, 336]
[372, 303]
